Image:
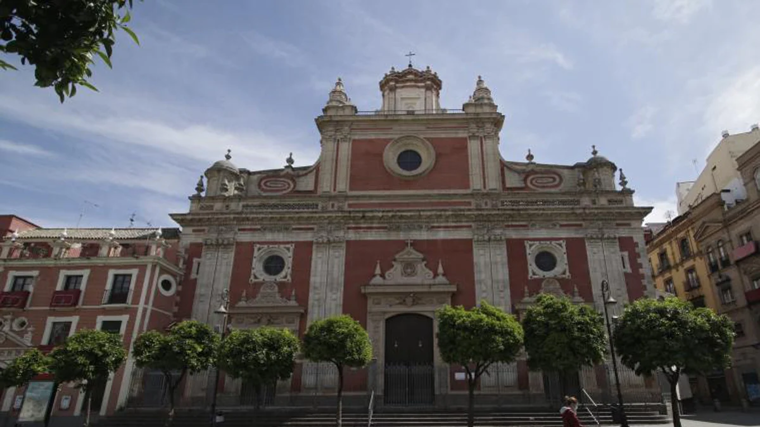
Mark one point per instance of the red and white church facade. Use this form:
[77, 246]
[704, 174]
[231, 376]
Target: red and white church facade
[408, 208]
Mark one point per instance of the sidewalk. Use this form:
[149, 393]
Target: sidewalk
[717, 419]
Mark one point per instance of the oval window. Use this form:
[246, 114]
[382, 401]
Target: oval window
[409, 160]
[274, 265]
[546, 261]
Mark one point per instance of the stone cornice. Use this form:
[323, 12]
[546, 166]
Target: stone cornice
[89, 262]
[469, 215]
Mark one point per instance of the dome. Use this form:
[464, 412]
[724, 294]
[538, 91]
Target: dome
[225, 164]
[597, 160]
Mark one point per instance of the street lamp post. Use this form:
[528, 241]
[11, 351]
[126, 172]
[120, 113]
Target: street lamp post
[224, 311]
[608, 300]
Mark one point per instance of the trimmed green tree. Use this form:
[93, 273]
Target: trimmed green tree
[562, 337]
[339, 340]
[476, 339]
[87, 359]
[673, 337]
[189, 347]
[259, 356]
[22, 369]
[60, 38]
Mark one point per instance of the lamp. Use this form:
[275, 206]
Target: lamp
[608, 300]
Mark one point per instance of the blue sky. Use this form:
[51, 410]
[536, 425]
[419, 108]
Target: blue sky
[652, 83]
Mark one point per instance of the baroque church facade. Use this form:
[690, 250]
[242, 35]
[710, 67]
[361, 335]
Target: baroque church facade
[408, 208]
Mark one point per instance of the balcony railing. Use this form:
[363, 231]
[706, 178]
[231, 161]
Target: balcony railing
[111, 296]
[66, 298]
[745, 250]
[753, 296]
[691, 284]
[713, 266]
[14, 299]
[725, 262]
[409, 112]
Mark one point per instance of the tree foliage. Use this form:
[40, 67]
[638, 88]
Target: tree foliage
[87, 359]
[671, 336]
[60, 38]
[22, 369]
[341, 341]
[188, 347]
[259, 356]
[476, 339]
[561, 336]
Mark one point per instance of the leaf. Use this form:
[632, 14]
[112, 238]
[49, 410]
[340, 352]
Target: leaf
[4, 65]
[88, 85]
[127, 17]
[104, 58]
[131, 34]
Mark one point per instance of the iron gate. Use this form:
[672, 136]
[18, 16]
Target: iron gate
[409, 373]
[409, 384]
[248, 394]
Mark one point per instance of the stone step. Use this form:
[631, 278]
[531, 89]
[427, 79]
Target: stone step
[385, 419]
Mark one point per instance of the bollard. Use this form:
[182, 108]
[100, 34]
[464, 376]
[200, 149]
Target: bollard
[219, 417]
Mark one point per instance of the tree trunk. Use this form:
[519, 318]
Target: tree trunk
[674, 401]
[471, 402]
[339, 415]
[257, 391]
[89, 408]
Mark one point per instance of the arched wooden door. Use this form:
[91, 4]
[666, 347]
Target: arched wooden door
[409, 373]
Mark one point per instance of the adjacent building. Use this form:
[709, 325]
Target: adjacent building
[58, 281]
[708, 255]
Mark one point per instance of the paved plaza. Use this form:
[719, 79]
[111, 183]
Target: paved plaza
[726, 418]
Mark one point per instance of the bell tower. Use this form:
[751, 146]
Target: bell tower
[410, 90]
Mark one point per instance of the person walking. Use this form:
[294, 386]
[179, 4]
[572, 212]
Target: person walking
[569, 413]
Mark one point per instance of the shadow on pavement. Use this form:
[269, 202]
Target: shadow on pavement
[749, 418]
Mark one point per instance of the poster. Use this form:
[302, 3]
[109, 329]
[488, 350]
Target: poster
[38, 394]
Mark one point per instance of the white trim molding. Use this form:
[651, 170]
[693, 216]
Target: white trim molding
[85, 273]
[49, 326]
[15, 273]
[413, 143]
[132, 283]
[172, 280]
[124, 319]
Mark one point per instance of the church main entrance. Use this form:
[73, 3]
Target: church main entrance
[409, 368]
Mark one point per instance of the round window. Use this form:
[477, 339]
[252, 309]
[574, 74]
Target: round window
[167, 285]
[274, 265]
[546, 261]
[409, 160]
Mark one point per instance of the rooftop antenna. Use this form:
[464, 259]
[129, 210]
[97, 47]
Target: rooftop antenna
[132, 220]
[84, 206]
[669, 215]
[694, 162]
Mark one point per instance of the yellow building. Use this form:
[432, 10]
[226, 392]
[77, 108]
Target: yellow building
[679, 266]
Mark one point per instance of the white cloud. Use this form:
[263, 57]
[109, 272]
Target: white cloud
[273, 48]
[735, 103]
[680, 11]
[570, 102]
[23, 149]
[540, 53]
[663, 209]
[640, 122]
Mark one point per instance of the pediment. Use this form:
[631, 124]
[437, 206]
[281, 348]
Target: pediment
[409, 268]
[704, 228]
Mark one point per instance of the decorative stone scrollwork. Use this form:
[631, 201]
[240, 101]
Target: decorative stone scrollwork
[330, 233]
[484, 232]
[269, 295]
[408, 227]
[409, 268]
[547, 259]
[262, 254]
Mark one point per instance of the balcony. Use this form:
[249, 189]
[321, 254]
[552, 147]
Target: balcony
[745, 251]
[725, 262]
[15, 299]
[113, 297]
[753, 296]
[66, 298]
[713, 267]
